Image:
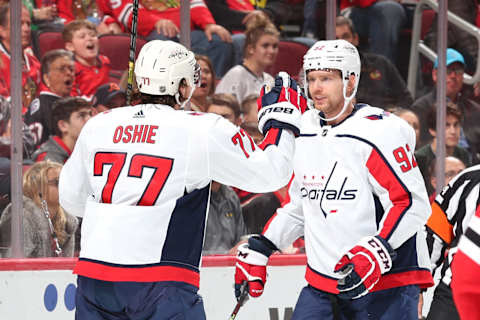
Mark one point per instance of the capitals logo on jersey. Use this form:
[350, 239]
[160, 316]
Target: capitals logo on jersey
[329, 187]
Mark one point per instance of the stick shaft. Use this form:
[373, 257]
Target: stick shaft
[133, 47]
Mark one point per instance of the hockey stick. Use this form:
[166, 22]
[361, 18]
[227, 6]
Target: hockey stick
[241, 300]
[133, 46]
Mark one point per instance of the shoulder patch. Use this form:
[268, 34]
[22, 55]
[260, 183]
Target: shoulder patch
[34, 106]
[378, 116]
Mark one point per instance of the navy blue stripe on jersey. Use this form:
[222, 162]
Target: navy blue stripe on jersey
[400, 190]
[379, 210]
[308, 135]
[184, 240]
[406, 255]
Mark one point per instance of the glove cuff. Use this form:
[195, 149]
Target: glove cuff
[262, 244]
[285, 114]
[381, 250]
[249, 256]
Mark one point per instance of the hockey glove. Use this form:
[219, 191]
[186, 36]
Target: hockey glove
[251, 265]
[282, 106]
[362, 266]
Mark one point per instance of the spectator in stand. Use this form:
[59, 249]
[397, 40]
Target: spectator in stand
[457, 93]
[43, 17]
[411, 118]
[40, 210]
[235, 15]
[457, 38]
[69, 115]
[70, 10]
[31, 65]
[381, 84]
[5, 149]
[108, 96]
[91, 68]
[260, 52]
[225, 225]
[250, 109]
[453, 166]
[161, 20]
[58, 76]
[426, 155]
[207, 85]
[377, 21]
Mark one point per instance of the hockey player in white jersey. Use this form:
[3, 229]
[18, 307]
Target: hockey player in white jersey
[140, 178]
[357, 197]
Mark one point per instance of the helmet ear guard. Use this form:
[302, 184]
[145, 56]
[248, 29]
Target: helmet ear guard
[333, 55]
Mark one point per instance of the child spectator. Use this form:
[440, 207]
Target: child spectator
[260, 52]
[426, 155]
[58, 76]
[108, 96]
[250, 109]
[69, 115]
[31, 65]
[91, 68]
[40, 189]
[207, 85]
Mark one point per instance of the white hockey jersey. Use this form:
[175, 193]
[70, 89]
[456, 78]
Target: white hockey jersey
[355, 179]
[140, 177]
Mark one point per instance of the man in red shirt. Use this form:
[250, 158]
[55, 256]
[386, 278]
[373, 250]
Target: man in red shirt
[159, 20]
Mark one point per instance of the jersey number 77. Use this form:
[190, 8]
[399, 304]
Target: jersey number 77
[162, 167]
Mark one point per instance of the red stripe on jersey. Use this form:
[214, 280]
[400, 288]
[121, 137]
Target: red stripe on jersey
[466, 285]
[420, 277]
[271, 138]
[320, 281]
[139, 274]
[398, 194]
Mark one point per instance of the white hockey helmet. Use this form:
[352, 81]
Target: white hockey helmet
[161, 65]
[334, 55]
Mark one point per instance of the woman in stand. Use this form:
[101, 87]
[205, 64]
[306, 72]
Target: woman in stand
[40, 211]
[260, 52]
[207, 84]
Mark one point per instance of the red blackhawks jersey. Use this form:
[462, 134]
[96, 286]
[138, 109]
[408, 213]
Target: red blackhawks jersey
[140, 177]
[121, 11]
[355, 179]
[89, 78]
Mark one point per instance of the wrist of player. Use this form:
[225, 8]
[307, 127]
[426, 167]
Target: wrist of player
[361, 267]
[281, 115]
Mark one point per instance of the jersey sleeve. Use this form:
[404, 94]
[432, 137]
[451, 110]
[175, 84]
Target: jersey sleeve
[287, 224]
[235, 160]
[73, 183]
[396, 180]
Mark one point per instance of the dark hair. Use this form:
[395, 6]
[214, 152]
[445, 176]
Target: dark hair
[225, 99]
[200, 57]
[71, 27]
[256, 28]
[63, 109]
[4, 12]
[451, 110]
[51, 56]
[168, 100]
[345, 21]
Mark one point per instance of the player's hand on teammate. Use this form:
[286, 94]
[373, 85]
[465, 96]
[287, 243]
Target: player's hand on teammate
[284, 104]
[362, 266]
